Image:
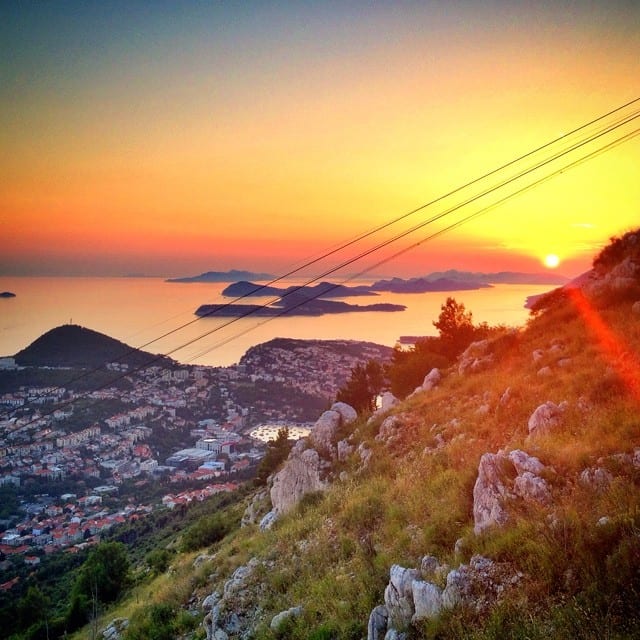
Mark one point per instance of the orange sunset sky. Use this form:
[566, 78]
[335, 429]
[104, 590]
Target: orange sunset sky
[166, 138]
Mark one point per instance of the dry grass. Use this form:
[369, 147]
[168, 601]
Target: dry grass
[332, 554]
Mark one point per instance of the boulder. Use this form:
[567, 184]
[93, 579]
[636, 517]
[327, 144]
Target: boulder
[537, 355]
[398, 596]
[388, 428]
[524, 462]
[280, 618]
[532, 488]
[255, 509]
[268, 520]
[635, 308]
[480, 584]
[115, 629]
[347, 413]
[432, 379]
[324, 431]
[475, 358]
[503, 477]
[387, 401]
[202, 559]
[546, 417]
[489, 493]
[427, 600]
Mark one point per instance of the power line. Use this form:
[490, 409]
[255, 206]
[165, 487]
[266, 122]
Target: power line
[447, 229]
[359, 238]
[397, 237]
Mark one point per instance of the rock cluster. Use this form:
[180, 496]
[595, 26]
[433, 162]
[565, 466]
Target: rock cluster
[414, 595]
[476, 357]
[503, 477]
[233, 614]
[546, 417]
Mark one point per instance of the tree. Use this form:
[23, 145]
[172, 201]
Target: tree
[455, 325]
[361, 389]
[276, 454]
[101, 579]
[33, 612]
[408, 368]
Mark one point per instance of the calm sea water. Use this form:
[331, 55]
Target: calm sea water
[140, 310]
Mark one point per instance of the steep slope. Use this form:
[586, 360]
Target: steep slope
[501, 501]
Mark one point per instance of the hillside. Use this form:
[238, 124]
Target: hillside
[71, 345]
[500, 500]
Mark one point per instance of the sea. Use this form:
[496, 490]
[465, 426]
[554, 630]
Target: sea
[158, 316]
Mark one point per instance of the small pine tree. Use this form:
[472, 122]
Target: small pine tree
[361, 389]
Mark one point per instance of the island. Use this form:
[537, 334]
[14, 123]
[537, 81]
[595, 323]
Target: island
[7, 294]
[321, 290]
[292, 305]
[224, 276]
[425, 285]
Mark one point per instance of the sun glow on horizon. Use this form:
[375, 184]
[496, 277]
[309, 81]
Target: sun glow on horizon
[551, 261]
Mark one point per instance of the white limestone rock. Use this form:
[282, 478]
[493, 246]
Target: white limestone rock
[427, 600]
[596, 478]
[347, 413]
[324, 431]
[268, 521]
[344, 450]
[280, 618]
[398, 596]
[432, 379]
[388, 428]
[301, 474]
[377, 627]
[503, 477]
[546, 417]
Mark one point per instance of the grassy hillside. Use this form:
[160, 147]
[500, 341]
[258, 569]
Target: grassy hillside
[575, 558]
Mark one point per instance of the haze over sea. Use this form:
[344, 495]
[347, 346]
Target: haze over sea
[138, 310]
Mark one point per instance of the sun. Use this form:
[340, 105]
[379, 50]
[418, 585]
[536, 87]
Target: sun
[551, 261]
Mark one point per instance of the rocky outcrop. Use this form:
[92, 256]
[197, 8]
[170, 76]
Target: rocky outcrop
[388, 429]
[398, 596]
[115, 629]
[501, 478]
[476, 357]
[256, 509]
[410, 598]
[307, 468]
[325, 430]
[546, 417]
[432, 379]
[619, 279]
[303, 472]
[234, 614]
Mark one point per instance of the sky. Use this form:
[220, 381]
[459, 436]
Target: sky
[171, 138]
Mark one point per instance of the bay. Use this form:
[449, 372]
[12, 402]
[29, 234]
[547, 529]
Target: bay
[139, 311]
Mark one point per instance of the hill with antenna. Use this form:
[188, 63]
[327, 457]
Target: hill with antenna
[71, 345]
